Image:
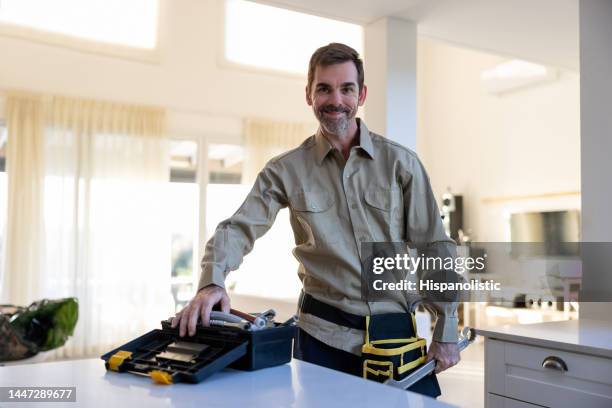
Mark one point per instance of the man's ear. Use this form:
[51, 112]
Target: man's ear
[362, 95]
[308, 97]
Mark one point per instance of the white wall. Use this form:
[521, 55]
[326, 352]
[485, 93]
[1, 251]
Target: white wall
[189, 78]
[390, 67]
[480, 145]
[483, 146]
[595, 60]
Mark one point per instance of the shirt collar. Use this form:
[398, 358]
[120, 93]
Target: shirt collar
[323, 146]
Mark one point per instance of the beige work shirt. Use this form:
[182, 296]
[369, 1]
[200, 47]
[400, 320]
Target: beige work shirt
[380, 194]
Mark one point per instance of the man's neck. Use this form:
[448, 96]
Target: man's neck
[344, 142]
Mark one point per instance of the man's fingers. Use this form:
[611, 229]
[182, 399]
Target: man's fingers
[176, 319]
[430, 356]
[199, 309]
[225, 304]
[205, 313]
[440, 366]
[183, 321]
[445, 354]
[193, 318]
[443, 365]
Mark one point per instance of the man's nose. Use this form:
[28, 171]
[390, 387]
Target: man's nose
[336, 97]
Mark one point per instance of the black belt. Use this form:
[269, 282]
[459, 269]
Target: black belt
[322, 310]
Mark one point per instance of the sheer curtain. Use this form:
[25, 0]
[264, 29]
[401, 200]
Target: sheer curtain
[264, 139]
[87, 215]
[24, 166]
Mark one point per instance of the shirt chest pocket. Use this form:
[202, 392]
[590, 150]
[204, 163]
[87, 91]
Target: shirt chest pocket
[384, 213]
[316, 213]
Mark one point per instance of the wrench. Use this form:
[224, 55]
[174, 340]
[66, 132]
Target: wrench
[468, 335]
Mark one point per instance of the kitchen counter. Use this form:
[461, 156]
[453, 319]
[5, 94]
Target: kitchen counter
[297, 384]
[583, 336]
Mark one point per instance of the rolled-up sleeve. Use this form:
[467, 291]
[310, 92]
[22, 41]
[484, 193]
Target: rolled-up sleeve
[425, 232]
[235, 236]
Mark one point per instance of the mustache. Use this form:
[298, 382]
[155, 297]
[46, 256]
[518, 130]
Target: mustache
[333, 108]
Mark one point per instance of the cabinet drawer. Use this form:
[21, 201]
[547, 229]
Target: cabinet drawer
[497, 401]
[517, 372]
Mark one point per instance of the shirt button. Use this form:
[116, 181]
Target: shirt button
[354, 206]
[314, 207]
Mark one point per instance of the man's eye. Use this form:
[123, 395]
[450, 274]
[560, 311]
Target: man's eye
[323, 90]
[348, 90]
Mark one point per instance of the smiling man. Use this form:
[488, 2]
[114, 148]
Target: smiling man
[345, 185]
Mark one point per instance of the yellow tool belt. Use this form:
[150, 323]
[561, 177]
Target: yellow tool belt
[392, 348]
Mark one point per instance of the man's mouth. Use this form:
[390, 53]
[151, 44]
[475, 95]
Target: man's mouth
[334, 112]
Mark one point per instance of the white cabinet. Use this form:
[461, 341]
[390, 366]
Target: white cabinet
[522, 371]
[503, 402]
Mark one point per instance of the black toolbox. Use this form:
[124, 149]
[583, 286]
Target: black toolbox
[168, 358]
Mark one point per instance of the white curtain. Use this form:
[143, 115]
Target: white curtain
[87, 215]
[24, 166]
[264, 139]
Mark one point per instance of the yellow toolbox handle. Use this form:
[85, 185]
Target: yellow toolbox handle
[161, 377]
[118, 358]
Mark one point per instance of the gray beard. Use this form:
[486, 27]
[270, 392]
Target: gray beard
[335, 127]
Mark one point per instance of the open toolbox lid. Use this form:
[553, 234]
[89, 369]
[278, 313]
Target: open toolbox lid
[168, 358]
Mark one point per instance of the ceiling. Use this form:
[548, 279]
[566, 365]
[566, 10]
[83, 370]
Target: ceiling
[543, 31]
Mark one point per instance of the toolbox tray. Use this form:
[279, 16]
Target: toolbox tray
[265, 348]
[223, 347]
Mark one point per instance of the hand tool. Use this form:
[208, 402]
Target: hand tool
[257, 321]
[467, 338]
[223, 323]
[269, 316]
[232, 318]
[228, 317]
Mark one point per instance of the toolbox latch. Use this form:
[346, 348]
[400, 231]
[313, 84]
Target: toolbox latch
[161, 377]
[118, 358]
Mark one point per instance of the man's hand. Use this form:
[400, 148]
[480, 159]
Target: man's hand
[200, 307]
[446, 354]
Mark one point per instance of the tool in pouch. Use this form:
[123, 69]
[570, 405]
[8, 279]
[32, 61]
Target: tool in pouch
[468, 335]
[392, 348]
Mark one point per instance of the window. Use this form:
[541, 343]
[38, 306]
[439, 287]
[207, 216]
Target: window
[184, 203]
[274, 38]
[225, 163]
[131, 23]
[270, 270]
[225, 192]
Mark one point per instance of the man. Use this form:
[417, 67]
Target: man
[345, 185]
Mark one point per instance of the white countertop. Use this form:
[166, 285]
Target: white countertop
[297, 384]
[583, 336]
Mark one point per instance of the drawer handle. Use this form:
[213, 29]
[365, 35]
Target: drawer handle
[554, 363]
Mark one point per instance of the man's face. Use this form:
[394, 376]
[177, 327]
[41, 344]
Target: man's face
[335, 96]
